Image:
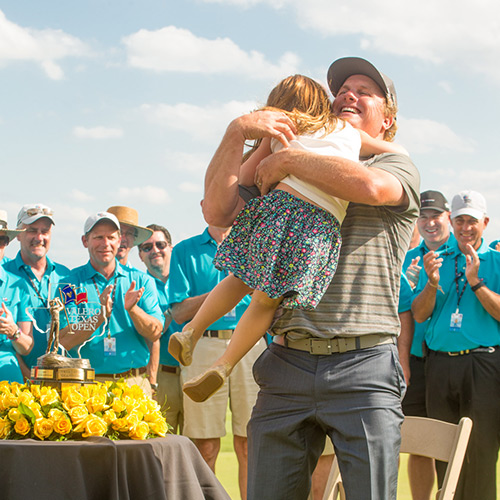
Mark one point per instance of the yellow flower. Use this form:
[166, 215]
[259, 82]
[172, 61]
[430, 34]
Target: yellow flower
[36, 409]
[14, 414]
[140, 431]
[25, 397]
[95, 426]
[118, 405]
[73, 398]
[159, 427]
[78, 414]
[97, 403]
[56, 414]
[48, 396]
[35, 390]
[22, 426]
[109, 416]
[62, 426]
[133, 419]
[43, 428]
[120, 425]
[5, 427]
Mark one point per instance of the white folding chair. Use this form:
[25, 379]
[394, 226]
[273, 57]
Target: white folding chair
[429, 438]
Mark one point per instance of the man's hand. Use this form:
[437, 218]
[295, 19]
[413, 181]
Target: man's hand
[132, 296]
[265, 124]
[7, 325]
[432, 263]
[106, 300]
[413, 272]
[273, 168]
[472, 265]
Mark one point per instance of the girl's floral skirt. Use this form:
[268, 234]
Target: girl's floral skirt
[283, 246]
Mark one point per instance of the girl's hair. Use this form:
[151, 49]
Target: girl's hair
[306, 102]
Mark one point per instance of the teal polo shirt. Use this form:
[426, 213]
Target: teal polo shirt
[131, 348]
[493, 244]
[40, 292]
[478, 327]
[165, 357]
[420, 251]
[15, 295]
[405, 294]
[192, 273]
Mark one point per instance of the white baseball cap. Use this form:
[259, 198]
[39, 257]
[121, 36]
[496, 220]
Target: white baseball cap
[468, 203]
[98, 217]
[32, 212]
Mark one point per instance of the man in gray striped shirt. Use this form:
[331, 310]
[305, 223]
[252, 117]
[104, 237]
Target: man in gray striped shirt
[333, 371]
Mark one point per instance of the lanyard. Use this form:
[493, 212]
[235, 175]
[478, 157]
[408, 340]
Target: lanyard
[457, 277]
[44, 301]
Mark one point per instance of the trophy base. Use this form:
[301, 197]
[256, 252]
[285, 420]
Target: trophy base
[59, 371]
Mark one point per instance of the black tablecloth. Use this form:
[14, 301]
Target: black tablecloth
[100, 469]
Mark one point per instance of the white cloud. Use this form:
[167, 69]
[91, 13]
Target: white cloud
[203, 123]
[191, 187]
[179, 161]
[146, 194]
[78, 195]
[179, 50]
[446, 86]
[44, 47]
[97, 132]
[424, 136]
[460, 33]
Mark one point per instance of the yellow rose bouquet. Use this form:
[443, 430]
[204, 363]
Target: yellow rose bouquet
[111, 409]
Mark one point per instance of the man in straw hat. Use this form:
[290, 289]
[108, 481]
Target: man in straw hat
[131, 233]
[6, 235]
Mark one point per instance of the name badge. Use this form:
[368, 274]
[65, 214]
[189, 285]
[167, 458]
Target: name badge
[456, 321]
[110, 346]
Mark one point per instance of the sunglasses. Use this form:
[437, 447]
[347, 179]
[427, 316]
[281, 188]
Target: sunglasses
[38, 210]
[160, 245]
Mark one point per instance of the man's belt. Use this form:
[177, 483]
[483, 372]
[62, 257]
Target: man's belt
[319, 346]
[170, 369]
[218, 334]
[489, 350]
[133, 372]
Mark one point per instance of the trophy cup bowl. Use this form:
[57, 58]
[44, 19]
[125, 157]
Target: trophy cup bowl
[54, 369]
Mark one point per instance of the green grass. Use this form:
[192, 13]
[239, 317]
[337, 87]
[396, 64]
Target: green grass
[227, 469]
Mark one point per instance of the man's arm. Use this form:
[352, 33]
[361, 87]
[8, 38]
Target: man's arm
[340, 177]
[185, 310]
[146, 325]
[425, 301]
[222, 203]
[405, 340]
[488, 298]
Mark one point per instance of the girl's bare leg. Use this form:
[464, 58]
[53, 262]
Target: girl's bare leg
[251, 327]
[224, 297]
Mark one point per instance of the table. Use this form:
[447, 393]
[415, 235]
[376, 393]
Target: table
[100, 469]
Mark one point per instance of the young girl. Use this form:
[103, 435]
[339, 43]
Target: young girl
[283, 246]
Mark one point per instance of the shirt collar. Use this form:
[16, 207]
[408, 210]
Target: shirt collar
[454, 249]
[19, 262]
[89, 272]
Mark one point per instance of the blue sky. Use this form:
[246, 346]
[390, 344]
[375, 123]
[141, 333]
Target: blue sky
[124, 101]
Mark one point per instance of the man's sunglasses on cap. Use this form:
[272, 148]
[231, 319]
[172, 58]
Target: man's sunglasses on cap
[39, 210]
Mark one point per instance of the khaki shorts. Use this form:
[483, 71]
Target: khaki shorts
[208, 419]
[169, 396]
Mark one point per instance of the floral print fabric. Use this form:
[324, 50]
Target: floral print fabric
[283, 246]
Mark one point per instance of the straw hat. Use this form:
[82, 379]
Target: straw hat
[4, 231]
[130, 217]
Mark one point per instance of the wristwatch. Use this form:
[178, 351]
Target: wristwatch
[479, 285]
[154, 386]
[16, 335]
